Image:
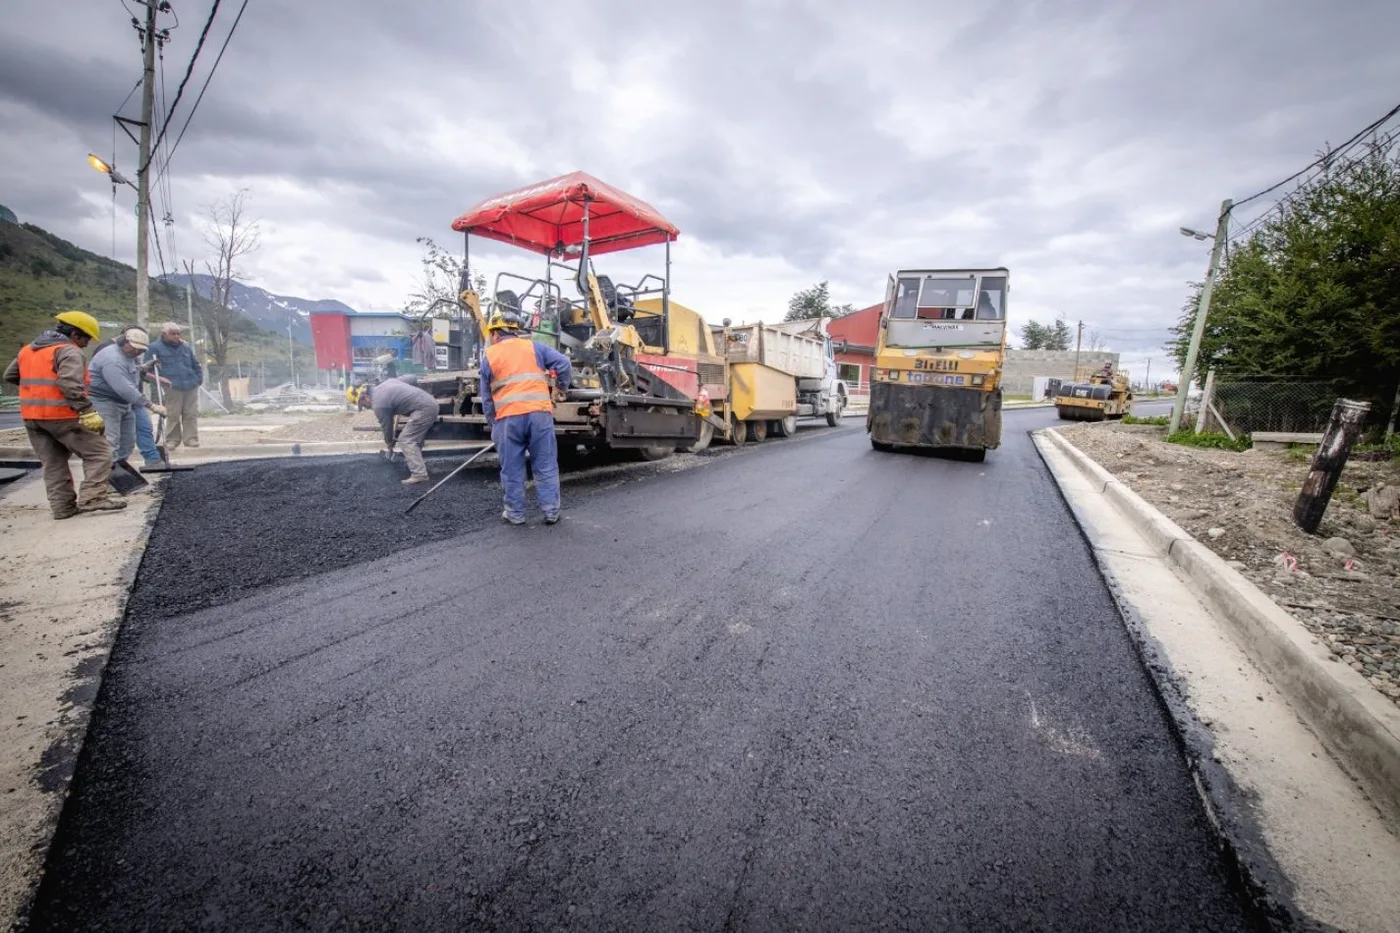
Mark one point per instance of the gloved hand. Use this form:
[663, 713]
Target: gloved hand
[157, 409]
[91, 421]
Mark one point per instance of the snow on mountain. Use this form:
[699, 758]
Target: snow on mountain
[270, 312]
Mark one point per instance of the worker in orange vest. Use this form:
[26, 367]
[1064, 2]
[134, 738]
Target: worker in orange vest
[517, 400]
[60, 418]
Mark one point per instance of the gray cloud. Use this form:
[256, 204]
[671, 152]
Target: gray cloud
[808, 140]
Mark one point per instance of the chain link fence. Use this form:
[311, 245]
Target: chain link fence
[1252, 405]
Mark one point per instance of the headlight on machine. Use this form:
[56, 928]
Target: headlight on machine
[978, 380]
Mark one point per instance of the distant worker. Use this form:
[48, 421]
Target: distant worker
[396, 397]
[180, 364]
[516, 397]
[59, 417]
[116, 390]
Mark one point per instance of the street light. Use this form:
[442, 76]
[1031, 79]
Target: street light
[106, 169]
[1188, 371]
[143, 216]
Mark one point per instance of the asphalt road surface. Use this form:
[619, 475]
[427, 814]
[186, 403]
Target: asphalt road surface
[804, 685]
[10, 419]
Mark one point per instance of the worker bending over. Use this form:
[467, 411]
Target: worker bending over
[517, 400]
[396, 397]
[59, 417]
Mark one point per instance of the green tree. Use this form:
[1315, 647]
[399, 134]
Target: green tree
[1034, 335]
[1315, 291]
[1060, 335]
[814, 302]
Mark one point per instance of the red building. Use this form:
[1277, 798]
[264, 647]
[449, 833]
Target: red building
[853, 339]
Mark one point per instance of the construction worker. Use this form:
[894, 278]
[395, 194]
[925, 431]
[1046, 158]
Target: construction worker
[396, 397]
[516, 397]
[116, 391]
[60, 418]
[180, 364]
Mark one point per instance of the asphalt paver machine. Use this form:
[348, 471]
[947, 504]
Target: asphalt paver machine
[646, 374]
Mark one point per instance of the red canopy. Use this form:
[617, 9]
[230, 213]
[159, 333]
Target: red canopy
[541, 216]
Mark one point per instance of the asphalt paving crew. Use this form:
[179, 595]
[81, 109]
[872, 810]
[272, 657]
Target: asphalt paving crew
[180, 364]
[116, 391]
[396, 397]
[59, 417]
[519, 406]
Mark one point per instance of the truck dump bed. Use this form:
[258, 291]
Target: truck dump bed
[801, 355]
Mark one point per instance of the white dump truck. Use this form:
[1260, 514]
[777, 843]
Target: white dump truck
[777, 374]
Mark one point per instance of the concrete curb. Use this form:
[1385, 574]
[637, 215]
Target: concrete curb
[1359, 727]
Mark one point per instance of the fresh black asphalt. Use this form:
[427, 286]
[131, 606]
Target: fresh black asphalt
[802, 686]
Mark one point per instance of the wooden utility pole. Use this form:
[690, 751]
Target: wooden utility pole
[143, 175]
[1078, 339]
[1222, 233]
[1343, 427]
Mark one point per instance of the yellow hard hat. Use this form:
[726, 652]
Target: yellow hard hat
[80, 319]
[504, 320]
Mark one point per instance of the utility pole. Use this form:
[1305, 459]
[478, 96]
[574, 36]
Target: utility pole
[291, 354]
[1222, 232]
[1147, 380]
[1078, 339]
[143, 175]
[189, 296]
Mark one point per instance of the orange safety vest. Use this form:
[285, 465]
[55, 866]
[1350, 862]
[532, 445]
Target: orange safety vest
[518, 385]
[40, 398]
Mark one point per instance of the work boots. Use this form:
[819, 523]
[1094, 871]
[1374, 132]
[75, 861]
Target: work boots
[105, 504]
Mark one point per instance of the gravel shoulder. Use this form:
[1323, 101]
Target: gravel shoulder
[1343, 583]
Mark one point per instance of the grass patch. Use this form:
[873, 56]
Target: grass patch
[1159, 420]
[1017, 398]
[1208, 440]
[1390, 445]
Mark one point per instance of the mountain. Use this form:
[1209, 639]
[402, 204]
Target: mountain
[270, 312]
[42, 274]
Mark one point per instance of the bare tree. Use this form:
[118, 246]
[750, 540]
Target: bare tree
[1095, 341]
[232, 235]
[442, 276]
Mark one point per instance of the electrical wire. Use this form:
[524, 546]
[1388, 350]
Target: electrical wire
[1333, 165]
[160, 256]
[189, 70]
[1325, 158]
[209, 78]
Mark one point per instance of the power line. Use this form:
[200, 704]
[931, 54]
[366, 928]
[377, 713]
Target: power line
[1324, 159]
[210, 77]
[189, 70]
[1385, 142]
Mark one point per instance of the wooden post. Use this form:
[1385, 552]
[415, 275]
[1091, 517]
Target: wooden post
[1343, 427]
[1207, 394]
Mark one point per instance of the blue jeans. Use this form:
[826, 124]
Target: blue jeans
[513, 436]
[145, 436]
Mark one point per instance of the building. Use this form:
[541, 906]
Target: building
[855, 335]
[353, 341]
[853, 338]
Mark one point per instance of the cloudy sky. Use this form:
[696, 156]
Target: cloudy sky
[790, 142]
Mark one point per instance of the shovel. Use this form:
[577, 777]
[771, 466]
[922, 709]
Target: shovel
[465, 464]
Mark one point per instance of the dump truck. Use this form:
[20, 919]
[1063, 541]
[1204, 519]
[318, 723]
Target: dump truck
[777, 374]
[645, 370]
[939, 358]
[1105, 394]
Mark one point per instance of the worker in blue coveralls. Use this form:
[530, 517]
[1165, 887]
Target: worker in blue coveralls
[518, 402]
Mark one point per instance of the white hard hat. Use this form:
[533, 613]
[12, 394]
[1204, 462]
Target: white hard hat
[136, 337]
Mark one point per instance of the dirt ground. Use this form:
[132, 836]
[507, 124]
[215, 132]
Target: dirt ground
[1343, 583]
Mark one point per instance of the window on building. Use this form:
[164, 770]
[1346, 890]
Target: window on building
[848, 373]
